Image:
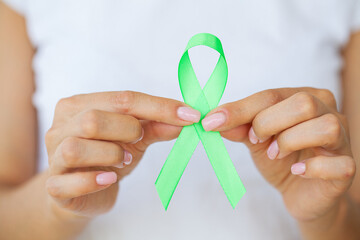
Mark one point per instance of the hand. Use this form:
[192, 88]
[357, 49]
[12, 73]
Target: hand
[298, 141]
[96, 139]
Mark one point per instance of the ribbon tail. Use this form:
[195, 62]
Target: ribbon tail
[222, 164]
[176, 163]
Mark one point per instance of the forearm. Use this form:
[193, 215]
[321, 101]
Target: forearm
[27, 213]
[342, 222]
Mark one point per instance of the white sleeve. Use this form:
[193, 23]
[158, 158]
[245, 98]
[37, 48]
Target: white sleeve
[355, 22]
[18, 5]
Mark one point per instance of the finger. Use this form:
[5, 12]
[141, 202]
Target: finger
[296, 109]
[325, 131]
[72, 185]
[78, 153]
[153, 132]
[139, 105]
[101, 125]
[98, 125]
[237, 113]
[327, 168]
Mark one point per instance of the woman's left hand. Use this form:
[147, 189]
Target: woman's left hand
[298, 141]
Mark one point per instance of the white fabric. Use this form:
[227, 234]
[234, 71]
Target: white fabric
[18, 5]
[90, 46]
[356, 17]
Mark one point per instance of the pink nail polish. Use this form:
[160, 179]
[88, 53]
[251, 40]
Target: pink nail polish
[273, 150]
[252, 136]
[127, 158]
[213, 121]
[298, 168]
[188, 114]
[106, 178]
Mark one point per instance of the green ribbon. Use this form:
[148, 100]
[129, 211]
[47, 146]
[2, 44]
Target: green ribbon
[202, 100]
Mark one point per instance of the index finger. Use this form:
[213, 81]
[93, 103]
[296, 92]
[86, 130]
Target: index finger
[136, 104]
[244, 111]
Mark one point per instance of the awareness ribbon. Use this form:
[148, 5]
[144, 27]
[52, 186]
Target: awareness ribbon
[202, 100]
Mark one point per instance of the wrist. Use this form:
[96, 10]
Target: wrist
[328, 225]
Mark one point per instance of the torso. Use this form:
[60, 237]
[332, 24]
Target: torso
[90, 46]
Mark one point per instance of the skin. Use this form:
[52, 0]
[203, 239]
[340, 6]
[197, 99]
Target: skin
[89, 136]
[304, 122]
[94, 134]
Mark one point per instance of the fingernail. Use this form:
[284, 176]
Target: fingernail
[142, 135]
[127, 158]
[264, 140]
[298, 168]
[106, 178]
[273, 150]
[213, 121]
[120, 165]
[188, 114]
[252, 136]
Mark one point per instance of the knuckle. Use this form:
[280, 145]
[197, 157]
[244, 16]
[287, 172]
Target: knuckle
[349, 168]
[327, 97]
[305, 104]
[62, 103]
[65, 103]
[70, 150]
[123, 101]
[90, 123]
[50, 136]
[332, 127]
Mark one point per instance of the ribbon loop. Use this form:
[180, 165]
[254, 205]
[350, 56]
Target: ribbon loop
[203, 100]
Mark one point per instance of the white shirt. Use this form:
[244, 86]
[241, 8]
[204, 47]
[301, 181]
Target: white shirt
[88, 46]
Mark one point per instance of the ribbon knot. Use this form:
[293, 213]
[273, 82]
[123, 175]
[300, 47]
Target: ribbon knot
[203, 100]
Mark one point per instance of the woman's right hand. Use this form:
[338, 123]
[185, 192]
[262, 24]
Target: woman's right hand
[96, 139]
